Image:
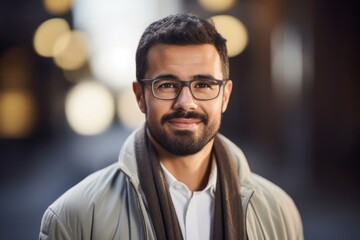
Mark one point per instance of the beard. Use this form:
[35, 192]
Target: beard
[183, 142]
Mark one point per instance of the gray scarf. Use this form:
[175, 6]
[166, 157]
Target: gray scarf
[228, 216]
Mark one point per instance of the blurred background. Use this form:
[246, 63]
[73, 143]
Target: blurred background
[66, 105]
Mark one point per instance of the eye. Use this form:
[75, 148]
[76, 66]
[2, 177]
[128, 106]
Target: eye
[205, 84]
[165, 84]
[202, 85]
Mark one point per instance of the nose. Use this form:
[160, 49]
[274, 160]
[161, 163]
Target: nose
[185, 100]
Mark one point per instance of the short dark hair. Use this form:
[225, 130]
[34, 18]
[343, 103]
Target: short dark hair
[180, 29]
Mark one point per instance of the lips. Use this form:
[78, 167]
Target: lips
[187, 123]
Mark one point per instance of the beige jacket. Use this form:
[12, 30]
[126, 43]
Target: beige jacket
[109, 204]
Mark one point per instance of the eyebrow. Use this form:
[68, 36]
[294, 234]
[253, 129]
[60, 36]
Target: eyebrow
[167, 76]
[203, 76]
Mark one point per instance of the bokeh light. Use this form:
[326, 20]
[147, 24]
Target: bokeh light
[57, 7]
[89, 108]
[70, 50]
[234, 31]
[287, 70]
[17, 113]
[47, 34]
[114, 66]
[114, 28]
[128, 110]
[217, 5]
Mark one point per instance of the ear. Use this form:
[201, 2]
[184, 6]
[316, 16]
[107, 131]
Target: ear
[139, 94]
[226, 96]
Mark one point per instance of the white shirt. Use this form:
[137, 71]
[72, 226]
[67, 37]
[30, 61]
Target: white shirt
[194, 210]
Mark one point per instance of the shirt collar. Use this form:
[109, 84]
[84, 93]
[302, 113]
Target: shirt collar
[211, 185]
[171, 180]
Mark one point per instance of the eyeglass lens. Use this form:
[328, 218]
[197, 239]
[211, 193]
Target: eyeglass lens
[201, 89]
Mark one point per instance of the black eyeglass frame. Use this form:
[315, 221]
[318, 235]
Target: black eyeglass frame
[182, 85]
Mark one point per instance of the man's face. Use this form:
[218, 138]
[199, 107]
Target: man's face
[185, 125]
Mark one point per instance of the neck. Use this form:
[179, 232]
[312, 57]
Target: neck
[192, 170]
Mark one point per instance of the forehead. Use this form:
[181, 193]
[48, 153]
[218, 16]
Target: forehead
[183, 60]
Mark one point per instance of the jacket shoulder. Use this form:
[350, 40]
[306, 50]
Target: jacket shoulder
[267, 190]
[74, 214]
[87, 191]
[272, 212]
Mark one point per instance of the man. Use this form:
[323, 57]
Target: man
[177, 177]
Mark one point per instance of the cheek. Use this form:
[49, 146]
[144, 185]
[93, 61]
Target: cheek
[213, 110]
[156, 108]
[150, 103]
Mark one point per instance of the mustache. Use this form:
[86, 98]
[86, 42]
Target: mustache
[184, 114]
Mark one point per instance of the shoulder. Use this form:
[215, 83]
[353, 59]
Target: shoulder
[273, 209]
[269, 211]
[74, 212]
[270, 192]
[266, 194]
[89, 190]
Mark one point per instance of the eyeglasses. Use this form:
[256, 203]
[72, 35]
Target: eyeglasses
[169, 89]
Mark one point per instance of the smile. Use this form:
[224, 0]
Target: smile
[185, 123]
